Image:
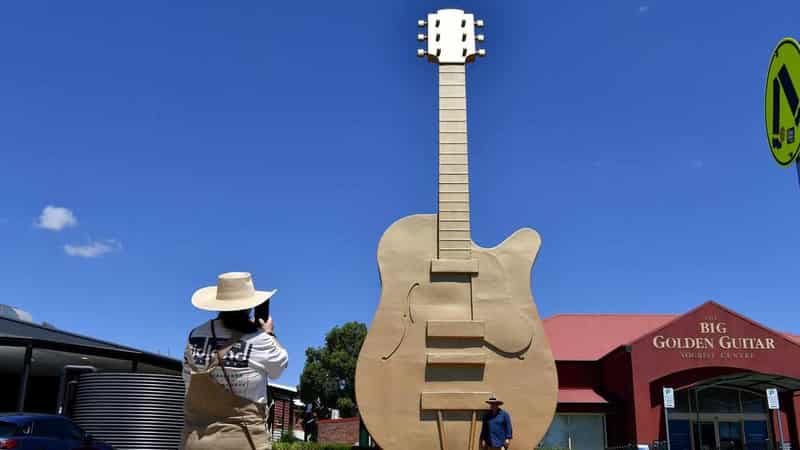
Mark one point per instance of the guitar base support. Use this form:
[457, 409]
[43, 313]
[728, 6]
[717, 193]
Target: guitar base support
[472, 441]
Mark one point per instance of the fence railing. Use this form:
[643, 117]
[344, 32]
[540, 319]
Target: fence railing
[662, 445]
[623, 447]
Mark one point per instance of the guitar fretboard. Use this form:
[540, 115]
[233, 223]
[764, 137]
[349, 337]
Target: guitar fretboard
[453, 226]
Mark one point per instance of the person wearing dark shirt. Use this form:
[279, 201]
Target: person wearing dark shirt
[310, 424]
[496, 431]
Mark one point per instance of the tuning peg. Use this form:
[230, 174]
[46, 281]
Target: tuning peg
[421, 37]
[480, 37]
[421, 52]
[421, 23]
[479, 23]
[481, 52]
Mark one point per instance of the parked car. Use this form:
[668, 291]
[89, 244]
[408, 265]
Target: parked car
[22, 431]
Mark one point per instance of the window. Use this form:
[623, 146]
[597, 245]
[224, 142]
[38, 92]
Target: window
[682, 401]
[72, 432]
[756, 434]
[7, 429]
[57, 429]
[558, 434]
[576, 431]
[717, 400]
[12, 359]
[720, 400]
[680, 435]
[587, 432]
[752, 403]
[47, 428]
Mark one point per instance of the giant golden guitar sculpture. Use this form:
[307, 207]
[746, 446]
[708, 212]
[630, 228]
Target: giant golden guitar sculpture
[456, 322]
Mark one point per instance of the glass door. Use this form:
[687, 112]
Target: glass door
[705, 436]
[680, 437]
[730, 436]
[756, 434]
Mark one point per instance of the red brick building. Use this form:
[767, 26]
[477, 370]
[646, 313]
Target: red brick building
[612, 369]
[340, 431]
[284, 410]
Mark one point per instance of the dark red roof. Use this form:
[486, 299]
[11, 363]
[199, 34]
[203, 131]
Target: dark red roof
[579, 395]
[589, 337]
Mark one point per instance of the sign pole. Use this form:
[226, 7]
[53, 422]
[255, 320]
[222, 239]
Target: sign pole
[669, 403]
[774, 404]
[666, 421]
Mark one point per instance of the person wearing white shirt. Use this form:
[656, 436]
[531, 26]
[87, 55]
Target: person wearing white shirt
[227, 364]
[254, 359]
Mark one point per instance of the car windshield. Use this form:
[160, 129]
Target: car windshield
[7, 429]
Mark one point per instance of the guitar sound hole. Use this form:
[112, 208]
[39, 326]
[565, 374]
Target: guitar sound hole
[453, 373]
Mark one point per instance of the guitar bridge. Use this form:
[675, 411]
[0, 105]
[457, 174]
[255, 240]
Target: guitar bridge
[469, 266]
[456, 329]
[454, 401]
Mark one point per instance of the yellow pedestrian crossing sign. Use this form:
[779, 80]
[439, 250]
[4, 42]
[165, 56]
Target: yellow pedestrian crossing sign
[782, 102]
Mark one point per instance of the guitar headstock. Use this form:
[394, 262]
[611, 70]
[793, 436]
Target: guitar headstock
[451, 37]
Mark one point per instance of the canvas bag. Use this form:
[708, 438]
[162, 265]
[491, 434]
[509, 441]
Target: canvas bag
[217, 419]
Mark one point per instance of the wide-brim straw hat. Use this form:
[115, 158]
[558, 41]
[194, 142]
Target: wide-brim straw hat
[494, 400]
[234, 291]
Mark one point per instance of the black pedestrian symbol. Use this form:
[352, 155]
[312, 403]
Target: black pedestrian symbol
[783, 83]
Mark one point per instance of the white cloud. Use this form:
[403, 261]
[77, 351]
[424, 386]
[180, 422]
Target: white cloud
[93, 249]
[643, 9]
[55, 218]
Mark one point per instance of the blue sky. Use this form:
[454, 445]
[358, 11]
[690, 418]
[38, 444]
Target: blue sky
[192, 138]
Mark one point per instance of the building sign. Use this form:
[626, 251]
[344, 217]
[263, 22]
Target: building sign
[713, 341]
[772, 399]
[669, 398]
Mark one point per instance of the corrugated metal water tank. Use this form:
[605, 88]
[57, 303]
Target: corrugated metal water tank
[131, 410]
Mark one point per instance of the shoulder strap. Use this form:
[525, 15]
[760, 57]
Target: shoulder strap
[221, 353]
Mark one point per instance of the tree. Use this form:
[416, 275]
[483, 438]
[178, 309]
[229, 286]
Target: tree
[330, 371]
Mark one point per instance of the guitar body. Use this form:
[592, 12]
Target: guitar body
[440, 343]
[456, 323]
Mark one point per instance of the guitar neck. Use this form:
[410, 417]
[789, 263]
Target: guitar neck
[454, 241]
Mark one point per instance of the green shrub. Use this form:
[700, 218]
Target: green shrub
[288, 437]
[309, 446]
[346, 406]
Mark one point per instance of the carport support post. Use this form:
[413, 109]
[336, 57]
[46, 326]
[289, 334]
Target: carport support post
[697, 421]
[23, 382]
